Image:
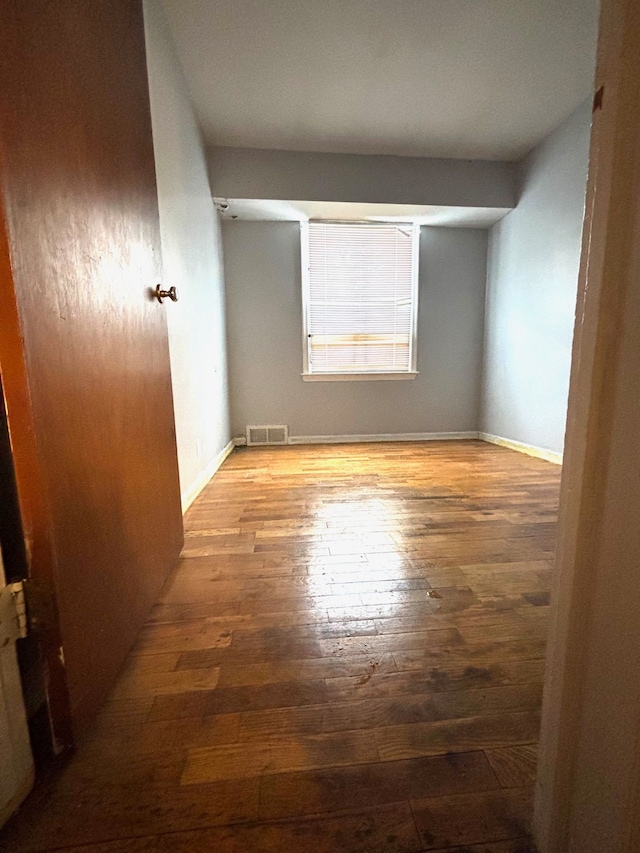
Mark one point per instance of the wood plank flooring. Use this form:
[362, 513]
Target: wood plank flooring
[349, 657]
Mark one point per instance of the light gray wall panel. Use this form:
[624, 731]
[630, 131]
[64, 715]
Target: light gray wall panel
[534, 255]
[264, 310]
[192, 261]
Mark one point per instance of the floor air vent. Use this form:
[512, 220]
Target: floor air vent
[268, 434]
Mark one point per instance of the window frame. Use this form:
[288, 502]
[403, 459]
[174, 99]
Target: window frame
[345, 376]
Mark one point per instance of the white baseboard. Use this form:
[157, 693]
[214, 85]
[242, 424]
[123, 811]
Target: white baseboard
[192, 493]
[529, 449]
[405, 436]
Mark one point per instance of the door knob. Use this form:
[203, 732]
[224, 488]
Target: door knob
[171, 294]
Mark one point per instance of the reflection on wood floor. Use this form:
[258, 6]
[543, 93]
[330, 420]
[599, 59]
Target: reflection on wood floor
[349, 657]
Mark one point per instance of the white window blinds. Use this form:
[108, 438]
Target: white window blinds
[360, 297]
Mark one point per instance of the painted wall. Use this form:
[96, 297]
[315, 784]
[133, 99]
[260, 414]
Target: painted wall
[258, 173]
[192, 259]
[264, 310]
[532, 278]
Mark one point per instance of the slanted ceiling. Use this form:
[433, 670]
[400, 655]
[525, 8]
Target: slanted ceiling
[476, 79]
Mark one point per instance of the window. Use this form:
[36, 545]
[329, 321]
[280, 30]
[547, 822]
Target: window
[360, 300]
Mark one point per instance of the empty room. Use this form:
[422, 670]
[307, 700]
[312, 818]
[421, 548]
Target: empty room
[318, 447]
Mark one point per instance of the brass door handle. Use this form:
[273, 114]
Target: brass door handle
[171, 294]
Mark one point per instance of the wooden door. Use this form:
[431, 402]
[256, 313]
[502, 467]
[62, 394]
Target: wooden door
[83, 343]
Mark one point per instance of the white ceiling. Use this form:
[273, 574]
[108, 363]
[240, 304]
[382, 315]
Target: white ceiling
[265, 210]
[435, 78]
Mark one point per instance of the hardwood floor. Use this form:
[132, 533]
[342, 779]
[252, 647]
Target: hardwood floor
[348, 657]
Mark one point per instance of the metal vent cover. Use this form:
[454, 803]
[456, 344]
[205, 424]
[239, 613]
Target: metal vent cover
[267, 434]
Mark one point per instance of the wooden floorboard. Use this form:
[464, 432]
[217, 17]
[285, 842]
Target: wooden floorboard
[348, 657]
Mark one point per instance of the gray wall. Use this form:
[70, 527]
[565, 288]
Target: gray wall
[192, 259]
[532, 277]
[300, 175]
[264, 310]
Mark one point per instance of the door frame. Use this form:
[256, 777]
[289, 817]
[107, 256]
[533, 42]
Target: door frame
[591, 481]
[18, 758]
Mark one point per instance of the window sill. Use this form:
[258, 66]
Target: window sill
[356, 377]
